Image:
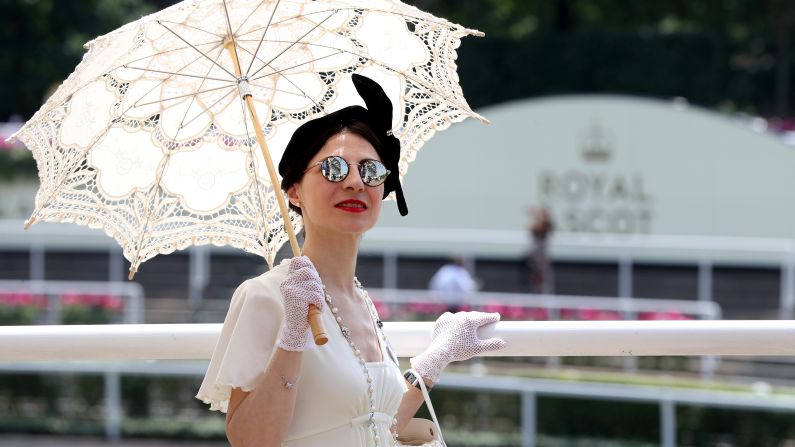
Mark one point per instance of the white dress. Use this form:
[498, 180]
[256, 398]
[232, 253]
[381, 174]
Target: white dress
[332, 406]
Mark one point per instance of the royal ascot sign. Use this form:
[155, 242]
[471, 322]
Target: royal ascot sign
[591, 198]
[601, 164]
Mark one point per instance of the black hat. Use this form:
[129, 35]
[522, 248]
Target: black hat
[305, 142]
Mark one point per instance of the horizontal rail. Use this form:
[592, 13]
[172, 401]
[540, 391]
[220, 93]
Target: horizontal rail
[705, 309]
[620, 392]
[459, 381]
[12, 234]
[525, 338]
[57, 287]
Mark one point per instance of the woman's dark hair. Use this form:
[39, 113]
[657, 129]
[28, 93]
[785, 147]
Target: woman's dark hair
[295, 171]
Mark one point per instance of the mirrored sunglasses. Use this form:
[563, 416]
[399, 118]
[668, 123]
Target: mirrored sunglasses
[335, 169]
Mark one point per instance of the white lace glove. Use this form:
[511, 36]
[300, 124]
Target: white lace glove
[455, 338]
[301, 288]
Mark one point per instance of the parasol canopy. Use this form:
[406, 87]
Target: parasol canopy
[153, 137]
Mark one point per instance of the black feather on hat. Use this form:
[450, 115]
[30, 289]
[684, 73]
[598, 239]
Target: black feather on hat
[304, 143]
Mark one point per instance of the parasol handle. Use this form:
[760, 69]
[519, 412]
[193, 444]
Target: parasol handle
[315, 322]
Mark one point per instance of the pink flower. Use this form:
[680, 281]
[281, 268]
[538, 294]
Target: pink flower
[587, 314]
[568, 314]
[598, 315]
[383, 310]
[112, 303]
[495, 307]
[515, 312]
[537, 313]
[71, 299]
[670, 315]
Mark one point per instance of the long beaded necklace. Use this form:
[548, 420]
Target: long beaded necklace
[358, 353]
[380, 329]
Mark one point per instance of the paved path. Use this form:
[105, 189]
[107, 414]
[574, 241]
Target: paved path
[74, 441]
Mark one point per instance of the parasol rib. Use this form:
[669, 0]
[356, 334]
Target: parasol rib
[197, 50]
[292, 44]
[219, 36]
[243, 22]
[174, 73]
[215, 42]
[440, 96]
[231, 87]
[195, 94]
[291, 67]
[210, 107]
[270, 19]
[302, 92]
[232, 38]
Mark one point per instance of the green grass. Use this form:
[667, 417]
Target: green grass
[620, 378]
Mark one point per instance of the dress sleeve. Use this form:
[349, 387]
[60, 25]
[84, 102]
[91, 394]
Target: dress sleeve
[246, 342]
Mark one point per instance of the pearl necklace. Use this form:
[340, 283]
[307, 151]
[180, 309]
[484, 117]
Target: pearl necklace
[358, 353]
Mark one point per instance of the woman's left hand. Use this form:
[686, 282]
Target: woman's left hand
[455, 338]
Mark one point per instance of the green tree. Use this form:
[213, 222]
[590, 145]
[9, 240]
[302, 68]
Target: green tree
[43, 41]
[747, 45]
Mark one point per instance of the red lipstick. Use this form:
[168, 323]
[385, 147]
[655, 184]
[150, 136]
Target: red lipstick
[352, 206]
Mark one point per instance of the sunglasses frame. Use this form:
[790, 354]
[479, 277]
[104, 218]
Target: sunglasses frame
[359, 165]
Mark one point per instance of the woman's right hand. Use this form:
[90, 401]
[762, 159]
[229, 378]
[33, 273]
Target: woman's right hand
[300, 288]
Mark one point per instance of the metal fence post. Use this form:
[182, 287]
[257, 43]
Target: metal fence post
[787, 303]
[54, 308]
[36, 262]
[709, 363]
[625, 277]
[705, 279]
[625, 271]
[115, 264]
[112, 405]
[134, 305]
[667, 423]
[528, 418]
[199, 276]
[390, 270]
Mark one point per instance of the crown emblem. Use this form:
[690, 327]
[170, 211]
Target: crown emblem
[596, 143]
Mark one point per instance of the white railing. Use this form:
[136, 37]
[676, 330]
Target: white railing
[536, 338]
[49, 346]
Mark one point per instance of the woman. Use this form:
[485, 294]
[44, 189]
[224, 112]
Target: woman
[276, 387]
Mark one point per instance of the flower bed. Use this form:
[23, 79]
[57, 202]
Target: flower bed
[429, 311]
[90, 309]
[24, 308]
[20, 308]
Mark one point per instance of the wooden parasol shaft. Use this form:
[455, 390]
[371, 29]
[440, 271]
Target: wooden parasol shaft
[318, 331]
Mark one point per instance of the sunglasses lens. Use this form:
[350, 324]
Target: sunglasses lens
[373, 172]
[334, 168]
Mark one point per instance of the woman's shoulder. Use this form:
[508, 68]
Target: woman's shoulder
[266, 285]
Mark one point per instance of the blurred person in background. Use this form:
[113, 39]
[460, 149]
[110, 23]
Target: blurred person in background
[453, 284]
[538, 264]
